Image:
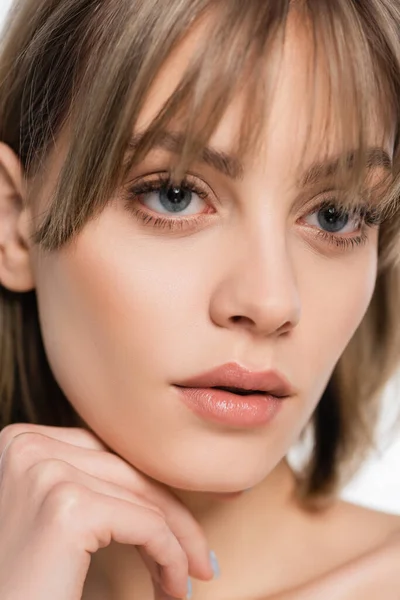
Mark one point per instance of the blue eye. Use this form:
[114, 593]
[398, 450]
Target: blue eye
[164, 198]
[332, 220]
[173, 207]
[175, 199]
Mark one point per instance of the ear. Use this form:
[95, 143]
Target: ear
[15, 265]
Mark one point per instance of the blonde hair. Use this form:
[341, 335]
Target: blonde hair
[80, 63]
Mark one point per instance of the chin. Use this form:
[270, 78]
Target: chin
[206, 479]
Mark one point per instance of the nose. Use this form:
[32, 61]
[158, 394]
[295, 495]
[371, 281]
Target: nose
[258, 290]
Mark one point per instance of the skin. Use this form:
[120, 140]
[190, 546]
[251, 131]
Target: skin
[120, 310]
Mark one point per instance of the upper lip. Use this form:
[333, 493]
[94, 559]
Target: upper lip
[235, 376]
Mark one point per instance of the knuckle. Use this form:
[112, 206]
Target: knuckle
[48, 473]
[9, 432]
[65, 502]
[20, 449]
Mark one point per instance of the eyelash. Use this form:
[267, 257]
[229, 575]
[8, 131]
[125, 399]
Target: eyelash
[155, 185]
[368, 218]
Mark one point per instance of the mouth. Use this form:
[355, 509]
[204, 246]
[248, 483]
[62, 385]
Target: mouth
[236, 379]
[232, 406]
[239, 391]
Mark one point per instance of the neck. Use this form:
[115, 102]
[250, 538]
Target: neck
[252, 519]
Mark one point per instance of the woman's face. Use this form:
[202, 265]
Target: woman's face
[258, 275]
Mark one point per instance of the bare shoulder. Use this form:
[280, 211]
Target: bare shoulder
[336, 536]
[330, 539]
[356, 516]
[359, 529]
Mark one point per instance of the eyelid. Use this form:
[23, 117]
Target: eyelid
[195, 183]
[372, 214]
[137, 187]
[144, 185]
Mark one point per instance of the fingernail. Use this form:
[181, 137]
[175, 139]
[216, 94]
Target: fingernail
[189, 589]
[214, 564]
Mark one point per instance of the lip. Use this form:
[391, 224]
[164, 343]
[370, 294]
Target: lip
[232, 409]
[234, 375]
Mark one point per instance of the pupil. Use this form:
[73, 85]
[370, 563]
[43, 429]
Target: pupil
[175, 194]
[175, 198]
[331, 219]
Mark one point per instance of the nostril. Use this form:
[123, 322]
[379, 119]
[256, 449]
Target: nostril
[285, 328]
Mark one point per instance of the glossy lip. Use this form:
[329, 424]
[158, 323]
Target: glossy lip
[234, 375]
[229, 408]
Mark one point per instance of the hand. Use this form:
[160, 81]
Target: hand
[375, 574]
[64, 495]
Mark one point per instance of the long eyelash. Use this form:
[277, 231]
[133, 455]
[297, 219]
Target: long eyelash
[163, 223]
[163, 181]
[369, 217]
[342, 242]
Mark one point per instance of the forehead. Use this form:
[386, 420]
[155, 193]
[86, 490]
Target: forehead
[299, 97]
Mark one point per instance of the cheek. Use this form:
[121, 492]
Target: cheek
[111, 314]
[348, 301]
[335, 297]
[121, 320]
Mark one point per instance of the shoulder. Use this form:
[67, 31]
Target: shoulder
[358, 518]
[331, 538]
[353, 530]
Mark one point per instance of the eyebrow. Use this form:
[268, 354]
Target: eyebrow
[232, 167]
[217, 159]
[319, 171]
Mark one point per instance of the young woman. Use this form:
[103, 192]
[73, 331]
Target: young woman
[199, 231]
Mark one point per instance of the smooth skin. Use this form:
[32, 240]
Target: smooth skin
[66, 496]
[127, 311]
[80, 497]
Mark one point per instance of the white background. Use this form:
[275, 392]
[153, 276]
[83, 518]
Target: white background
[4, 5]
[378, 484]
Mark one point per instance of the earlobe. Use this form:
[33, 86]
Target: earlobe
[15, 264]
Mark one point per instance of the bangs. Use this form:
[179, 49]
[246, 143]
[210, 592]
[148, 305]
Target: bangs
[82, 71]
[354, 59]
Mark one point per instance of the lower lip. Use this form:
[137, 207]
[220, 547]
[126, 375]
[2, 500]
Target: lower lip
[231, 409]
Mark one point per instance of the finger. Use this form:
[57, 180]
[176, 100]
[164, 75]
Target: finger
[188, 531]
[112, 468]
[154, 569]
[159, 593]
[98, 519]
[70, 435]
[50, 472]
